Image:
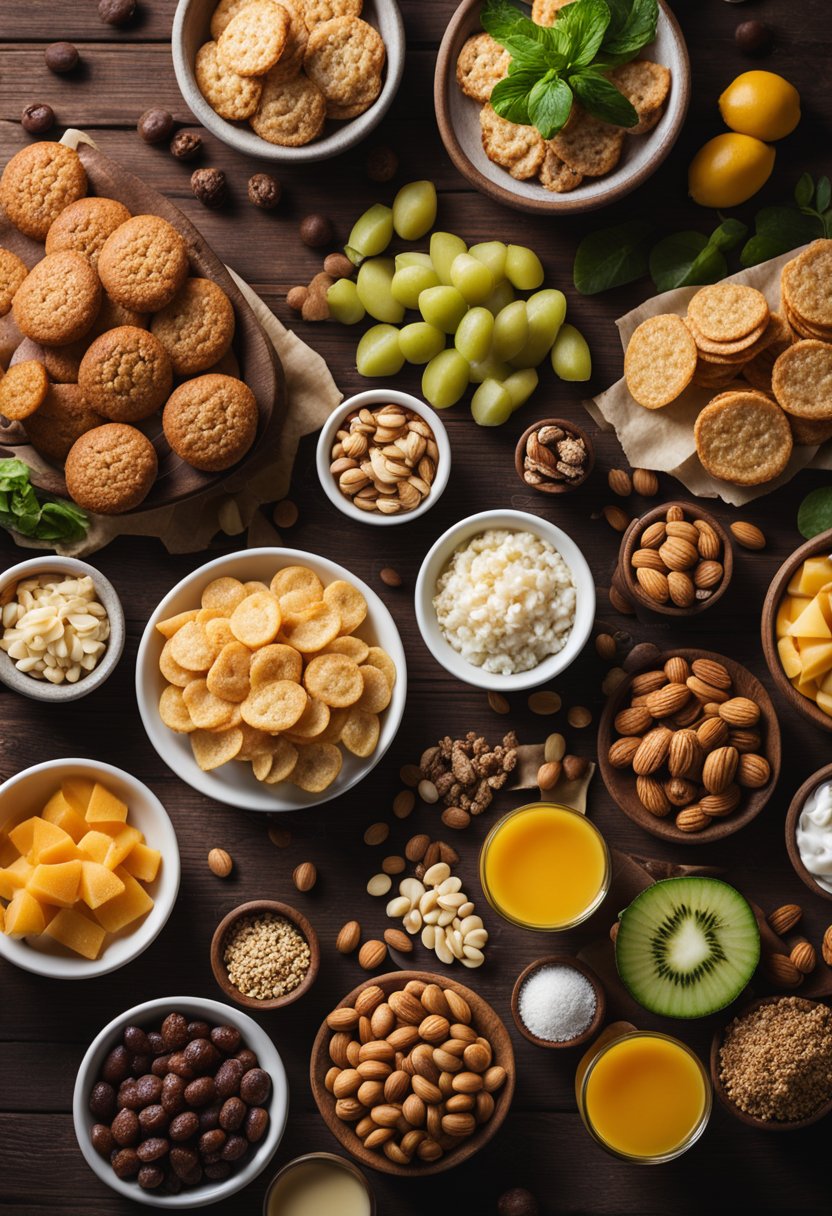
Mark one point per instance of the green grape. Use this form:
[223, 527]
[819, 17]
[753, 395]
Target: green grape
[491, 404]
[523, 268]
[493, 255]
[411, 258]
[488, 368]
[472, 278]
[511, 330]
[473, 335]
[443, 307]
[520, 386]
[502, 295]
[420, 342]
[371, 233]
[414, 210]
[343, 301]
[378, 353]
[571, 359]
[409, 282]
[373, 286]
[445, 379]
[444, 247]
[546, 311]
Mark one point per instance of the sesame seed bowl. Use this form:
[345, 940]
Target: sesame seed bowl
[259, 910]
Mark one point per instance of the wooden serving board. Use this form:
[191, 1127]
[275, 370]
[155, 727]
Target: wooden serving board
[259, 363]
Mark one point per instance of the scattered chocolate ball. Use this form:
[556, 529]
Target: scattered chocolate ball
[264, 191]
[155, 126]
[517, 1202]
[37, 118]
[116, 12]
[209, 186]
[382, 164]
[186, 145]
[316, 230]
[754, 37]
[61, 57]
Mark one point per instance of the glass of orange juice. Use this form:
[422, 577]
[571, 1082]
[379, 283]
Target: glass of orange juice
[545, 866]
[644, 1096]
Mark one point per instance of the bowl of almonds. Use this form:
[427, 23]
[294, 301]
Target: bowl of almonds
[676, 560]
[554, 456]
[689, 746]
[413, 1073]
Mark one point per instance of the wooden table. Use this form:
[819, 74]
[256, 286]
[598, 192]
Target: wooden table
[45, 1026]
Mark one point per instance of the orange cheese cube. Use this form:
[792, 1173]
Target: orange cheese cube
[98, 884]
[24, 916]
[815, 658]
[133, 902]
[807, 688]
[15, 876]
[77, 932]
[59, 812]
[812, 622]
[143, 862]
[789, 657]
[56, 884]
[77, 791]
[788, 611]
[121, 845]
[94, 846]
[814, 572]
[104, 807]
[21, 835]
[44, 837]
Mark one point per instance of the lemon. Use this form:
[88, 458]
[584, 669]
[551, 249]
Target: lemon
[728, 169]
[761, 104]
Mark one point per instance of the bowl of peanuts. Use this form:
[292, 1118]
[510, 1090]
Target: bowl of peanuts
[676, 560]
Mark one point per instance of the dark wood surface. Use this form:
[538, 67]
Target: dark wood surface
[45, 1026]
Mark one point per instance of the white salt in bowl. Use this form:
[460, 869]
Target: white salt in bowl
[560, 960]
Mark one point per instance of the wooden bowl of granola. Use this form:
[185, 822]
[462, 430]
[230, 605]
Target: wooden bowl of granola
[537, 456]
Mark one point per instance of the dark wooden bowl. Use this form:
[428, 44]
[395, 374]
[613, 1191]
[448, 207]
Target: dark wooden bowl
[555, 487]
[341, 1162]
[555, 960]
[621, 782]
[253, 908]
[629, 543]
[486, 1021]
[777, 589]
[767, 1125]
[792, 816]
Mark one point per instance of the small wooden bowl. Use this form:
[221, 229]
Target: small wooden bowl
[555, 487]
[560, 960]
[766, 1125]
[621, 782]
[629, 543]
[777, 589]
[330, 1158]
[487, 1022]
[792, 817]
[256, 907]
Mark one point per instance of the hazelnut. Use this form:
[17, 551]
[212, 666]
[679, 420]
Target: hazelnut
[517, 1202]
[754, 38]
[209, 186]
[150, 1177]
[37, 118]
[264, 191]
[226, 1038]
[116, 12]
[382, 164]
[186, 145]
[296, 298]
[61, 57]
[155, 125]
[339, 266]
[316, 230]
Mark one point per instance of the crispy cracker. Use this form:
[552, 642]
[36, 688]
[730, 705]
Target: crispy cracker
[556, 175]
[727, 312]
[660, 360]
[806, 283]
[646, 86]
[587, 145]
[481, 63]
[514, 147]
[744, 438]
[802, 380]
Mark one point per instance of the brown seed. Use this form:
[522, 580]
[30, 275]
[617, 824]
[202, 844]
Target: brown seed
[548, 774]
[692, 819]
[305, 876]
[416, 847]
[781, 971]
[316, 230]
[605, 647]
[394, 864]
[448, 853]
[456, 818]
[390, 577]
[826, 946]
[653, 535]
[296, 298]
[617, 519]
[61, 57]
[397, 940]
[674, 514]
[498, 703]
[410, 775]
[645, 483]
[285, 514]
[574, 767]
[579, 716]
[748, 535]
[220, 863]
[371, 955]
[281, 837]
[804, 957]
[619, 482]
[403, 803]
[349, 935]
[620, 602]
[339, 266]
[783, 919]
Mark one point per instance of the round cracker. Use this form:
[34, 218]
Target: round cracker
[212, 749]
[274, 707]
[744, 438]
[337, 722]
[709, 348]
[377, 692]
[276, 662]
[284, 759]
[317, 766]
[218, 632]
[171, 624]
[379, 658]
[334, 679]
[806, 283]
[224, 594]
[313, 629]
[353, 648]
[255, 742]
[312, 723]
[23, 390]
[802, 380]
[191, 647]
[348, 602]
[660, 360]
[297, 578]
[228, 676]
[726, 312]
[361, 732]
[207, 710]
[171, 670]
[256, 620]
[174, 712]
[254, 38]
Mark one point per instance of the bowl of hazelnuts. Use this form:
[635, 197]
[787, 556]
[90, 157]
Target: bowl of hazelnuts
[554, 456]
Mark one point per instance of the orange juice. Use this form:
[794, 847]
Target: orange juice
[645, 1097]
[544, 867]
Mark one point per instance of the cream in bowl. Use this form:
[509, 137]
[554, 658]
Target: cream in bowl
[814, 835]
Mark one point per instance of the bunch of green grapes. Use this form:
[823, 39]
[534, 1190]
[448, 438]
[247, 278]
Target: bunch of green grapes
[472, 329]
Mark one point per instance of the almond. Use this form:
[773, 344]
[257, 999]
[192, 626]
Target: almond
[619, 482]
[466, 1082]
[648, 681]
[679, 791]
[722, 804]
[707, 574]
[708, 544]
[621, 752]
[667, 700]
[753, 771]
[416, 847]
[683, 752]
[781, 971]
[745, 740]
[804, 957]
[406, 1007]
[647, 559]
[343, 1019]
[712, 673]
[349, 935]
[678, 553]
[645, 483]
[712, 733]
[676, 669]
[706, 693]
[372, 954]
[636, 720]
[397, 940]
[617, 519]
[680, 586]
[740, 711]
[720, 769]
[652, 796]
[220, 863]
[369, 998]
[498, 703]
[456, 818]
[783, 919]
[606, 647]
[305, 876]
[434, 1028]
[654, 584]
[689, 714]
[674, 513]
[692, 819]
[350, 1110]
[653, 535]
[548, 774]
[402, 1039]
[826, 946]
[681, 528]
[748, 535]
[377, 833]
[382, 1022]
[458, 1125]
[620, 602]
[652, 751]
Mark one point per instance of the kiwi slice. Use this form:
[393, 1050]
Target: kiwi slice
[687, 947]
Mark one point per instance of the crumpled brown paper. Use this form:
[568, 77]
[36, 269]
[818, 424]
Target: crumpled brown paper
[663, 439]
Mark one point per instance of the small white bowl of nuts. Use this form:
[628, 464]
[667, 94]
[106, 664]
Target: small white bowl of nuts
[383, 457]
[61, 628]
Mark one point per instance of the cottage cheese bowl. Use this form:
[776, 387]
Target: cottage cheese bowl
[505, 600]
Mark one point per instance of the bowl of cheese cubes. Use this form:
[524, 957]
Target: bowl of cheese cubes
[797, 630]
[89, 868]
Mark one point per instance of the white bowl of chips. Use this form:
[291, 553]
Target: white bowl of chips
[326, 740]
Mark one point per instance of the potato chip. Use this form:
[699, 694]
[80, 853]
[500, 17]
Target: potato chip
[212, 750]
[337, 722]
[377, 691]
[228, 676]
[334, 679]
[295, 603]
[224, 594]
[255, 585]
[352, 647]
[255, 742]
[191, 647]
[171, 624]
[276, 706]
[348, 602]
[317, 766]
[208, 711]
[170, 669]
[174, 712]
[275, 662]
[210, 614]
[284, 759]
[379, 658]
[360, 733]
[313, 721]
[219, 633]
[316, 629]
[256, 619]
[261, 765]
[297, 578]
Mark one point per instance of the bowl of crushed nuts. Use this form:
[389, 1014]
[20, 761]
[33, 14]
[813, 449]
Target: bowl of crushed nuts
[554, 456]
[265, 954]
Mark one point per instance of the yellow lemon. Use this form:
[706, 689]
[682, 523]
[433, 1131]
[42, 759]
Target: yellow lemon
[762, 104]
[729, 169]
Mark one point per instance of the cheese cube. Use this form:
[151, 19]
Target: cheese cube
[46, 836]
[104, 807]
[815, 658]
[77, 932]
[21, 835]
[812, 622]
[95, 846]
[143, 862]
[56, 884]
[121, 845]
[98, 884]
[789, 657]
[814, 573]
[14, 877]
[133, 902]
[77, 791]
[24, 915]
[789, 610]
[807, 688]
[59, 812]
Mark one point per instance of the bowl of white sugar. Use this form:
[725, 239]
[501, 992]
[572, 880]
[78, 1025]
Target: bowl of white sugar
[558, 1001]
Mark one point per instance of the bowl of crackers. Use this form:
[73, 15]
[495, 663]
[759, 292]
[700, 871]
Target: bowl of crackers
[588, 163]
[288, 80]
[271, 679]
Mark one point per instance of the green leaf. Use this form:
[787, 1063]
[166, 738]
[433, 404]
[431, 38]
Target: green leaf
[21, 510]
[501, 19]
[550, 103]
[728, 235]
[814, 515]
[823, 194]
[528, 53]
[779, 229]
[584, 23]
[632, 26]
[804, 190]
[510, 96]
[612, 257]
[602, 99]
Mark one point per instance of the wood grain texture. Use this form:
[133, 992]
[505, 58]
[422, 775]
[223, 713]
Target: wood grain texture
[45, 1027]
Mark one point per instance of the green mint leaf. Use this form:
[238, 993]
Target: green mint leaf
[779, 229]
[62, 521]
[550, 103]
[632, 26]
[823, 194]
[584, 23]
[501, 19]
[804, 190]
[814, 515]
[612, 257]
[510, 96]
[527, 53]
[728, 235]
[685, 259]
[602, 100]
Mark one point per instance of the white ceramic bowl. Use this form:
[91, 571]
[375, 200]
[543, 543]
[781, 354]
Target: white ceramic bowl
[438, 558]
[234, 783]
[372, 399]
[191, 24]
[42, 690]
[149, 1015]
[25, 794]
